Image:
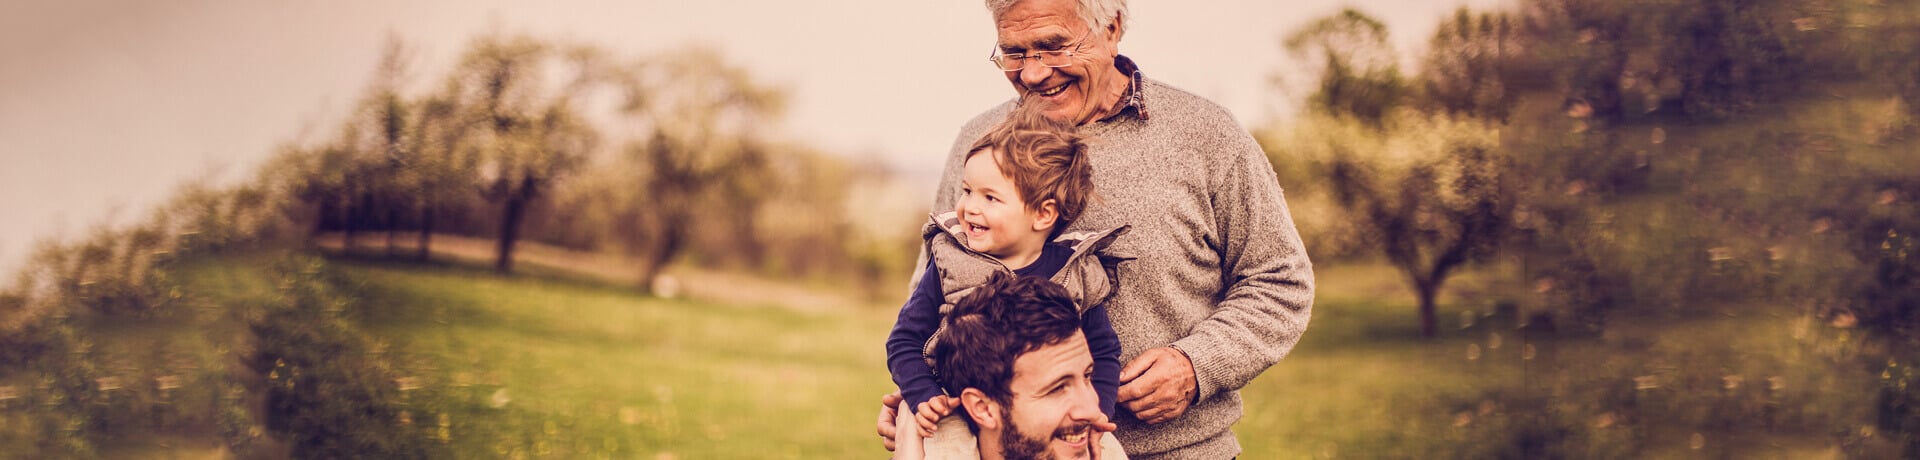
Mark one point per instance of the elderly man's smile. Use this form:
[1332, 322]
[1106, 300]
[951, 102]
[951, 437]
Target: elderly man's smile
[1050, 92]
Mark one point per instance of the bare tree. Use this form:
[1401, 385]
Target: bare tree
[701, 117]
[529, 134]
[1435, 191]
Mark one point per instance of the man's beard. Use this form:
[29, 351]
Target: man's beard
[1015, 445]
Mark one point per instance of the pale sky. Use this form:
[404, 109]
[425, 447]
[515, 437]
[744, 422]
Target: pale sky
[106, 106]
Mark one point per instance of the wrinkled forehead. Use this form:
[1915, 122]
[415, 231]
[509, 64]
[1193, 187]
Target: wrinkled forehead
[1039, 26]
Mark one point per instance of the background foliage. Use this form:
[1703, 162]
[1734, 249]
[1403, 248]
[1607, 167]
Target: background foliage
[1574, 228]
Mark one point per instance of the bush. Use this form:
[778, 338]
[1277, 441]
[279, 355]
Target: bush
[327, 392]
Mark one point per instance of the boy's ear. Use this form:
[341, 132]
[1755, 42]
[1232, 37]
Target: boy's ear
[984, 411]
[1045, 215]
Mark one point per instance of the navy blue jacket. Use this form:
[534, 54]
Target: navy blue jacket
[921, 316]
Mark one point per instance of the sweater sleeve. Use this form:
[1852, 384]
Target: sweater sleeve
[918, 319]
[1269, 280]
[1105, 345]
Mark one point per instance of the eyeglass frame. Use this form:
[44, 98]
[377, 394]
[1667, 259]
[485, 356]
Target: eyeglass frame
[995, 55]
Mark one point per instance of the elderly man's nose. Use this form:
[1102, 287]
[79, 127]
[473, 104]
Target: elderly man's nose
[1033, 73]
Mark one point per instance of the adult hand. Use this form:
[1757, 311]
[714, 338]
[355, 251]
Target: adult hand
[1158, 385]
[885, 426]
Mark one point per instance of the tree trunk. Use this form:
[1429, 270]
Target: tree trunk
[393, 226]
[351, 224]
[671, 239]
[516, 208]
[1427, 291]
[426, 232]
[320, 218]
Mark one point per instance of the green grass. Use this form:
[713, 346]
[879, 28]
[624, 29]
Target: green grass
[524, 367]
[1361, 384]
[536, 367]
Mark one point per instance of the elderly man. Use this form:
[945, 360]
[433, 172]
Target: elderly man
[1220, 288]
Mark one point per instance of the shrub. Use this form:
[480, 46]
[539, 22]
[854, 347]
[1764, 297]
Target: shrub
[326, 392]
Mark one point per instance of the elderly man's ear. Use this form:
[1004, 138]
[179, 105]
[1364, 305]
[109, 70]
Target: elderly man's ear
[984, 411]
[1115, 29]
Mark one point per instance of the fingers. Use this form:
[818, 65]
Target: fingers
[928, 423]
[1161, 413]
[885, 425]
[930, 413]
[1157, 386]
[1138, 365]
[1154, 398]
[1104, 426]
[1132, 386]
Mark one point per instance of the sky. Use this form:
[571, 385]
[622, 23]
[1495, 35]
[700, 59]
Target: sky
[106, 107]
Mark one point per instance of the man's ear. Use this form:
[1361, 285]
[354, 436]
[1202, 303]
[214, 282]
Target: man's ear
[984, 411]
[1046, 215]
[1115, 29]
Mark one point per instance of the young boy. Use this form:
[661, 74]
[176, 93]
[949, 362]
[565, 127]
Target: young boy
[1023, 183]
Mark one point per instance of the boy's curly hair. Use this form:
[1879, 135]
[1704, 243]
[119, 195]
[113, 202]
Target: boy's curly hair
[1043, 158]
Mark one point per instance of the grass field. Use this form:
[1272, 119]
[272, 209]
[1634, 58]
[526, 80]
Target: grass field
[575, 369]
[556, 367]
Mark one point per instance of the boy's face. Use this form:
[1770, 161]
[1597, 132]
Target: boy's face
[998, 222]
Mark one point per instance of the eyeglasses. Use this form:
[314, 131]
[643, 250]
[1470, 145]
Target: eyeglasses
[1051, 58]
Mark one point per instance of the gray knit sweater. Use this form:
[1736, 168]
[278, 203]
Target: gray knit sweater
[1218, 271]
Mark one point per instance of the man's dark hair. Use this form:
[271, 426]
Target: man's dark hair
[992, 326]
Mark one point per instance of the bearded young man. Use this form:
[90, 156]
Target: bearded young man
[1220, 288]
[1017, 360]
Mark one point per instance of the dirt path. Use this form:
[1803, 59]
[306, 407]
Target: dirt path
[691, 282]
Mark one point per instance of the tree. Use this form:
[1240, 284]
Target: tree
[1468, 65]
[1584, 45]
[385, 141]
[701, 115]
[444, 163]
[1360, 76]
[1435, 191]
[529, 135]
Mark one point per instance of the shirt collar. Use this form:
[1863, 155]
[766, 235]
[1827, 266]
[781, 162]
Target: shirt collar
[1136, 95]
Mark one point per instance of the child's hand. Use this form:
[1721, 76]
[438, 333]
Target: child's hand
[930, 413]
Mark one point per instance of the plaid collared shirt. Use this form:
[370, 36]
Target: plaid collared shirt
[1136, 97]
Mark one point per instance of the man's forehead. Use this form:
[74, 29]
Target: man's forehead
[1048, 363]
[1037, 23]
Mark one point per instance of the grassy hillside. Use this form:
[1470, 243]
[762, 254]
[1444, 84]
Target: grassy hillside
[483, 366]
